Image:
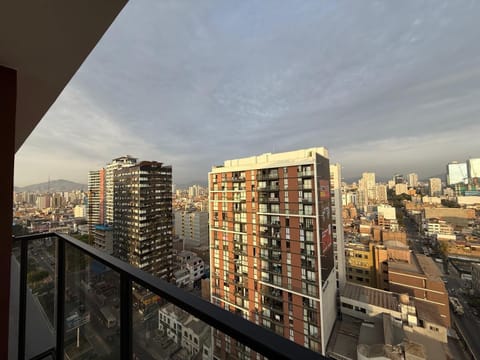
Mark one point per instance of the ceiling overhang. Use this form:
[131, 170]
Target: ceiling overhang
[46, 41]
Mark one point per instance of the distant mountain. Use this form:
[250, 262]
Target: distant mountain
[54, 185]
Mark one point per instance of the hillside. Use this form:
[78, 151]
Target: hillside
[55, 185]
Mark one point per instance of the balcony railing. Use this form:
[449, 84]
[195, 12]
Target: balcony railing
[70, 317]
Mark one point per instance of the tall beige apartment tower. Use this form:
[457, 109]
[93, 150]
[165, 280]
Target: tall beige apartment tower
[115, 164]
[96, 197]
[337, 223]
[271, 245]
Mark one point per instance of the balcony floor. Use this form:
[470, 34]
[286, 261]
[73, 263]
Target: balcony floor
[39, 335]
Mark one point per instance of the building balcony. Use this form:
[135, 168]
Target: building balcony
[305, 174]
[267, 188]
[70, 300]
[238, 178]
[269, 176]
[266, 200]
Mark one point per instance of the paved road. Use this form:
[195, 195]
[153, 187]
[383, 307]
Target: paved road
[468, 324]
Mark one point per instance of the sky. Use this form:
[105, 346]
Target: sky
[386, 86]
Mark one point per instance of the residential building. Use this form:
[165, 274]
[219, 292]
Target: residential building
[182, 278]
[192, 228]
[420, 278]
[96, 198]
[366, 189]
[80, 211]
[103, 238]
[399, 179]
[381, 193]
[456, 173]
[190, 334]
[337, 223]
[43, 201]
[360, 264]
[366, 303]
[271, 244]
[387, 212]
[115, 164]
[391, 184]
[401, 188]
[192, 263]
[387, 218]
[473, 169]
[439, 228]
[143, 217]
[412, 180]
[435, 186]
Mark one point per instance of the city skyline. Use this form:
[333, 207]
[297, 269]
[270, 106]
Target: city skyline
[194, 84]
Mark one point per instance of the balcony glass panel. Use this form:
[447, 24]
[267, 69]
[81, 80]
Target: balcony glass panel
[106, 311]
[92, 319]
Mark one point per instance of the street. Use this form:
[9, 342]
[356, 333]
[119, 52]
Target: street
[468, 324]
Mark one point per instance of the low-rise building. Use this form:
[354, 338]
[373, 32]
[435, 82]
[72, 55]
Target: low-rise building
[359, 262]
[421, 279]
[182, 278]
[188, 332]
[103, 238]
[191, 262]
[438, 227]
[366, 303]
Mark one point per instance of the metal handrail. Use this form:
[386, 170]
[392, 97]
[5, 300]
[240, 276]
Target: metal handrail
[248, 333]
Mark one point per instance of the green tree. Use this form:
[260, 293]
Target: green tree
[443, 247]
[36, 276]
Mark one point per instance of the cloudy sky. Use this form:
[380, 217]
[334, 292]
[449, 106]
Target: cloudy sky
[386, 86]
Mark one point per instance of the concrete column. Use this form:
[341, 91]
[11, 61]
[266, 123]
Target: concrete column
[8, 98]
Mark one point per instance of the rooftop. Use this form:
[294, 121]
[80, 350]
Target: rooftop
[271, 159]
[425, 311]
[376, 297]
[419, 264]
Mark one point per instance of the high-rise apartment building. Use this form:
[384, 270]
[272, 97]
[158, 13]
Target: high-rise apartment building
[366, 190]
[399, 179]
[413, 180]
[401, 188]
[456, 173]
[381, 191]
[143, 218]
[337, 223]
[96, 199]
[473, 168]
[435, 186]
[192, 227]
[271, 244]
[43, 201]
[118, 163]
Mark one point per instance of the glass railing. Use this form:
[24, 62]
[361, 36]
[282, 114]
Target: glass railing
[77, 302]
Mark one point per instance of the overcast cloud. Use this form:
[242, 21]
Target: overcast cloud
[386, 86]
